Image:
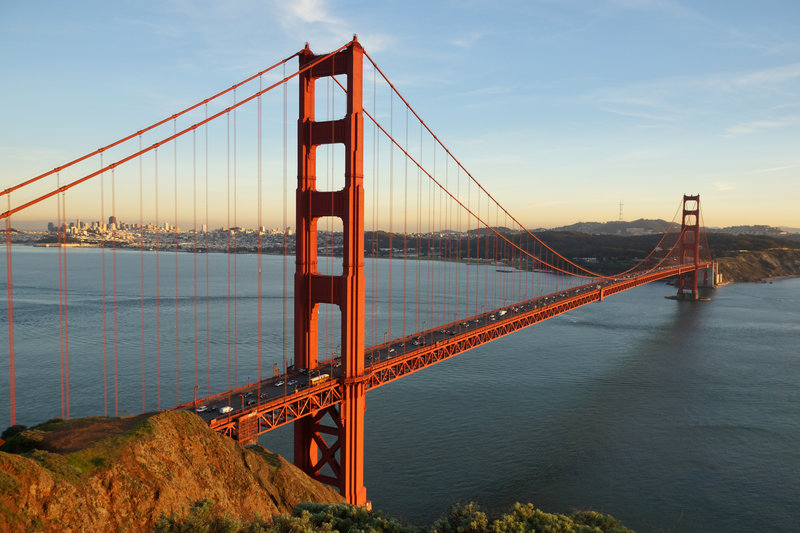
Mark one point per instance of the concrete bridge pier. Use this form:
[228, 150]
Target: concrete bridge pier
[709, 277]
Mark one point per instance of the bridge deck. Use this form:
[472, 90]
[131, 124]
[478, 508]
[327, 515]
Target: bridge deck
[262, 406]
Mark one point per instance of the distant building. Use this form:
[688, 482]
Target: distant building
[638, 231]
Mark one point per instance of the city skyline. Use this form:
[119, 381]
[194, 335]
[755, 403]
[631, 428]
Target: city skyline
[582, 107]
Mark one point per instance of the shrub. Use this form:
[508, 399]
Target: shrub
[10, 431]
[462, 518]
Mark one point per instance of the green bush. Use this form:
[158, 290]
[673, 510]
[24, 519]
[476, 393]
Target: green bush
[462, 518]
[200, 520]
[10, 431]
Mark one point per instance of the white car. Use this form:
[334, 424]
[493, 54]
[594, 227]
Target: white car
[226, 409]
[202, 409]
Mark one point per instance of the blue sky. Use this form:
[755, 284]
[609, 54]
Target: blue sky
[562, 109]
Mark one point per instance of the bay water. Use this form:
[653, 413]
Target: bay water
[671, 416]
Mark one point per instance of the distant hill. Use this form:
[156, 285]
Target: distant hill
[759, 265]
[759, 229]
[641, 226]
[645, 226]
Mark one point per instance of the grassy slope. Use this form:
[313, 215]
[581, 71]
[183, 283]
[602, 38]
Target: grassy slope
[109, 474]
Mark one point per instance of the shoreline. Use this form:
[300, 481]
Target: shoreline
[744, 267]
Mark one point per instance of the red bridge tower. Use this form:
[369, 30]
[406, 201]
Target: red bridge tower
[338, 460]
[689, 246]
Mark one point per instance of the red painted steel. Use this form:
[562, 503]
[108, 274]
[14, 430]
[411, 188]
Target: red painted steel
[100, 151]
[689, 246]
[314, 401]
[329, 413]
[141, 152]
[312, 452]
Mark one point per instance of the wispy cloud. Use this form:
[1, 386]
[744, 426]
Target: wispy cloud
[688, 97]
[765, 45]
[469, 40]
[767, 77]
[661, 101]
[325, 30]
[721, 186]
[310, 11]
[661, 117]
[757, 126]
[646, 154]
[667, 7]
[775, 169]
[492, 90]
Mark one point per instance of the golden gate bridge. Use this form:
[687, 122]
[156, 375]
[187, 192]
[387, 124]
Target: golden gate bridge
[402, 259]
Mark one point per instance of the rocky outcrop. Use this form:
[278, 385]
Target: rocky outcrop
[102, 474]
[747, 265]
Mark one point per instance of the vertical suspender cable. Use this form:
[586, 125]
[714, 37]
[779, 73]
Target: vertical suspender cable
[228, 244]
[141, 264]
[453, 249]
[517, 297]
[12, 405]
[447, 228]
[376, 178]
[194, 249]
[376, 237]
[158, 288]
[486, 260]
[330, 155]
[436, 264]
[374, 249]
[285, 219]
[103, 275]
[444, 239]
[431, 250]
[458, 248]
[258, 237]
[495, 300]
[391, 207]
[114, 289]
[477, 244]
[235, 254]
[530, 263]
[418, 313]
[175, 234]
[66, 317]
[439, 262]
[405, 226]
[60, 294]
[467, 293]
[208, 296]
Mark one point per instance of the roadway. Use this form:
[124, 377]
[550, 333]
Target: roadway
[255, 395]
[296, 384]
